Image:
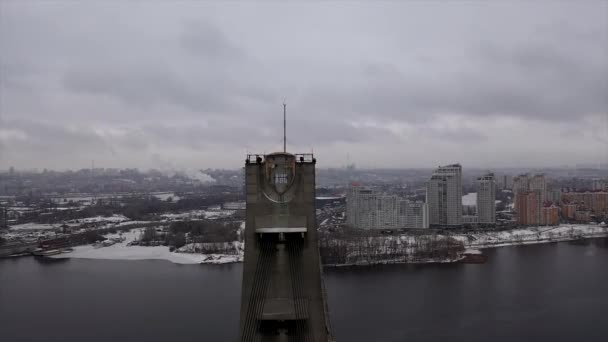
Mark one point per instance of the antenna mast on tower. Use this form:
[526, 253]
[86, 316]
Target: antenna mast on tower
[284, 126]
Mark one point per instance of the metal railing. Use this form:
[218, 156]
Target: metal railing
[300, 158]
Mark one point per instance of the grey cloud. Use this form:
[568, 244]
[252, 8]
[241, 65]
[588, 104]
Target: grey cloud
[214, 84]
[13, 75]
[58, 145]
[146, 144]
[552, 82]
[306, 131]
[458, 135]
[209, 79]
[53, 138]
[266, 132]
[145, 87]
[535, 82]
[204, 39]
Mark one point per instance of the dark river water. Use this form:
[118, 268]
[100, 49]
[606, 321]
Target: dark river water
[554, 292]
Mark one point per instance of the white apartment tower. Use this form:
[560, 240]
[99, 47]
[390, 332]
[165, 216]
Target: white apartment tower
[359, 205]
[416, 215]
[367, 209]
[444, 196]
[486, 199]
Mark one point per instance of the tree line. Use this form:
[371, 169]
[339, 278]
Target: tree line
[356, 246]
[134, 207]
[195, 231]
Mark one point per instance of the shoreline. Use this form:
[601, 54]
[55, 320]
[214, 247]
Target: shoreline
[539, 241]
[221, 259]
[491, 239]
[396, 262]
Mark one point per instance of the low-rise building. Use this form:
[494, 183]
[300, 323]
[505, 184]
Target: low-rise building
[470, 219]
[583, 216]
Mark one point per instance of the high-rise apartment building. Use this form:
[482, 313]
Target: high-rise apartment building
[444, 196]
[504, 182]
[596, 202]
[521, 184]
[360, 202]
[508, 182]
[599, 184]
[554, 196]
[528, 212]
[416, 214]
[568, 211]
[600, 203]
[387, 212]
[486, 199]
[367, 209]
[550, 215]
[536, 184]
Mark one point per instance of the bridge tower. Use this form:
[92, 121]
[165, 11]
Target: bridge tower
[283, 297]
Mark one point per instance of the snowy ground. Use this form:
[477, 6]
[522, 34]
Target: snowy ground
[471, 241]
[97, 219]
[381, 249]
[114, 219]
[120, 220]
[90, 198]
[215, 214]
[531, 235]
[235, 246]
[34, 226]
[120, 251]
[199, 214]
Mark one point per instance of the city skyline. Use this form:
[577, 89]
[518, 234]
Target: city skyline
[171, 169]
[383, 85]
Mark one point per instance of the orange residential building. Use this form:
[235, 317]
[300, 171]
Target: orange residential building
[600, 203]
[550, 216]
[568, 211]
[595, 202]
[528, 205]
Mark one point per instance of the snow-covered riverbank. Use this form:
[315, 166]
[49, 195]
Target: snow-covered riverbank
[399, 261]
[445, 247]
[122, 251]
[473, 240]
[532, 235]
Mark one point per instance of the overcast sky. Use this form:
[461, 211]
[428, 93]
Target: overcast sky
[196, 85]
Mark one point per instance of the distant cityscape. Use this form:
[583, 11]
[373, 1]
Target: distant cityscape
[364, 216]
[376, 199]
[525, 200]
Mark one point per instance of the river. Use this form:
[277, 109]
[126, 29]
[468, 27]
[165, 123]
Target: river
[551, 292]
